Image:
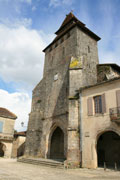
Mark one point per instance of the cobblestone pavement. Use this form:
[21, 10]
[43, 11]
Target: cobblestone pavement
[12, 170]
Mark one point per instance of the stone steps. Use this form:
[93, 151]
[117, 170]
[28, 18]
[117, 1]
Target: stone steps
[43, 162]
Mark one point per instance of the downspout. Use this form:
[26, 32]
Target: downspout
[80, 116]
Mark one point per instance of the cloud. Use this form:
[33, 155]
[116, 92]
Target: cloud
[19, 104]
[26, 1]
[16, 22]
[104, 25]
[109, 46]
[14, 8]
[34, 8]
[21, 56]
[56, 3]
[22, 1]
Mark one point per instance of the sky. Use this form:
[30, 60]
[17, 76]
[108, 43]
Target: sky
[28, 26]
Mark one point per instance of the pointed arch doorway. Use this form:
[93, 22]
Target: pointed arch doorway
[57, 144]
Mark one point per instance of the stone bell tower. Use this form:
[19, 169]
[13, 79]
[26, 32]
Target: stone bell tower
[70, 63]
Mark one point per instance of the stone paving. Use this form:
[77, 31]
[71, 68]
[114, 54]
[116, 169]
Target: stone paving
[12, 170]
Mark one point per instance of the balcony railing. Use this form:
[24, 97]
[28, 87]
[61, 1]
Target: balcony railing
[115, 114]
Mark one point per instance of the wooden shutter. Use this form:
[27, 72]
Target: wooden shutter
[90, 106]
[103, 103]
[118, 98]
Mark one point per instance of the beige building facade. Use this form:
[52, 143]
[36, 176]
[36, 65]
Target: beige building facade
[100, 124]
[7, 121]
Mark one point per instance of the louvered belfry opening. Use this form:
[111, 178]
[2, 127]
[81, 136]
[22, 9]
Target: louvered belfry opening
[108, 150]
[57, 144]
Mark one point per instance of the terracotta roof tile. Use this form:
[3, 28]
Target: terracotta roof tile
[6, 113]
[22, 133]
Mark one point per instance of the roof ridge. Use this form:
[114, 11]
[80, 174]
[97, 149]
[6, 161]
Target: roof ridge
[68, 18]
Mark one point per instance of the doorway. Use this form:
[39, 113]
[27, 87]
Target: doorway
[2, 150]
[108, 149]
[57, 145]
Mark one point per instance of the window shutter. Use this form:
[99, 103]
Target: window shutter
[118, 98]
[90, 106]
[1, 126]
[103, 104]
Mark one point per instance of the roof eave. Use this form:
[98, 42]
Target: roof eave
[98, 84]
[84, 29]
[14, 118]
[58, 38]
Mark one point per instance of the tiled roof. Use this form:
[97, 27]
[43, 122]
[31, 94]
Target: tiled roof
[68, 18]
[70, 22]
[22, 133]
[6, 113]
[99, 83]
[113, 65]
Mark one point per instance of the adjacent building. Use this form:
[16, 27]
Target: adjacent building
[7, 121]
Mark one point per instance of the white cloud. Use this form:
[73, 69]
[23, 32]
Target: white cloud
[21, 56]
[56, 3]
[16, 23]
[25, 1]
[34, 8]
[103, 25]
[19, 104]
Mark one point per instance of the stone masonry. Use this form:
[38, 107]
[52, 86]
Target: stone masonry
[72, 57]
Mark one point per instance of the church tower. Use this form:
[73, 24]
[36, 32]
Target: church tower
[70, 63]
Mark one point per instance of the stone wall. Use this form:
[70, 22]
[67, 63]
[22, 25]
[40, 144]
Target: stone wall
[18, 146]
[50, 97]
[50, 102]
[82, 72]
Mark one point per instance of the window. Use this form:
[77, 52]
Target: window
[88, 49]
[62, 39]
[50, 49]
[38, 101]
[63, 51]
[98, 104]
[68, 35]
[1, 126]
[56, 44]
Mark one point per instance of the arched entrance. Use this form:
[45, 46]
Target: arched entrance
[57, 144]
[20, 150]
[108, 149]
[2, 150]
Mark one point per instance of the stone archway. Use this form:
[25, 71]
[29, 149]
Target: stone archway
[57, 144]
[2, 149]
[108, 149]
[20, 150]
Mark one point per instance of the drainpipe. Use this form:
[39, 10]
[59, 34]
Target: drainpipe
[80, 111]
